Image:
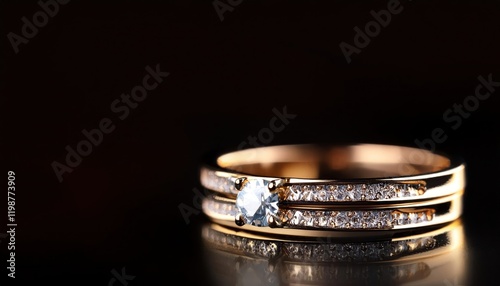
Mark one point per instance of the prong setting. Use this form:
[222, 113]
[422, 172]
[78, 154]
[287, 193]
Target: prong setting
[273, 221]
[274, 185]
[239, 219]
[240, 182]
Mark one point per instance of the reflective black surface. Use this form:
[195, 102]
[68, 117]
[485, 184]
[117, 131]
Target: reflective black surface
[432, 257]
[119, 208]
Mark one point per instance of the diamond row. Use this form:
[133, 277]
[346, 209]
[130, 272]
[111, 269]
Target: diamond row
[364, 251]
[260, 248]
[344, 219]
[372, 219]
[322, 251]
[324, 192]
[210, 180]
[217, 207]
[351, 192]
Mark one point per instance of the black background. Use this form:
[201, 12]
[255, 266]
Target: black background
[119, 207]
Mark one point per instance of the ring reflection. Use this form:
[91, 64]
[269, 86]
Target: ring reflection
[432, 257]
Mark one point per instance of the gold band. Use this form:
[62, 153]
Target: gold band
[381, 222]
[282, 189]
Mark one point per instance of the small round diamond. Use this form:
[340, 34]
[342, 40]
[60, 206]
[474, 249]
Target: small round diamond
[323, 219]
[356, 192]
[322, 196]
[413, 217]
[294, 193]
[340, 193]
[356, 220]
[340, 220]
[370, 192]
[390, 193]
[308, 218]
[307, 193]
[297, 218]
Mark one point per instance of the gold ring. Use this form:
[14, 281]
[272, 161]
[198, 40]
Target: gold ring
[307, 189]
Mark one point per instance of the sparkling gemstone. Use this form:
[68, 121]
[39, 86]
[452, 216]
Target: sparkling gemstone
[356, 220]
[308, 218]
[294, 193]
[356, 192]
[413, 217]
[318, 251]
[320, 219]
[369, 220]
[228, 186]
[250, 246]
[340, 220]
[272, 249]
[400, 247]
[323, 221]
[297, 218]
[331, 220]
[256, 203]
[402, 219]
[412, 191]
[390, 192]
[322, 196]
[307, 250]
[422, 217]
[370, 192]
[307, 193]
[340, 193]
[264, 249]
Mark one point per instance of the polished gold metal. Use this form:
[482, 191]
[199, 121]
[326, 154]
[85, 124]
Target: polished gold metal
[239, 220]
[407, 173]
[238, 183]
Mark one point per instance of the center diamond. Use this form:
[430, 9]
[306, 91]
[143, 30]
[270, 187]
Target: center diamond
[256, 203]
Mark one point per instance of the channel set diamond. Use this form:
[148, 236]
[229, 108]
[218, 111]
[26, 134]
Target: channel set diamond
[351, 192]
[218, 181]
[329, 192]
[218, 207]
[366, 219]
[254, 247]
[330, 219]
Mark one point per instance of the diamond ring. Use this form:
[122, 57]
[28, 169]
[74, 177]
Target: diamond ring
[296, 189]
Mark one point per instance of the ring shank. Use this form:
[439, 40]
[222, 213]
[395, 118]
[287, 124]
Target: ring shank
[340, 162]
